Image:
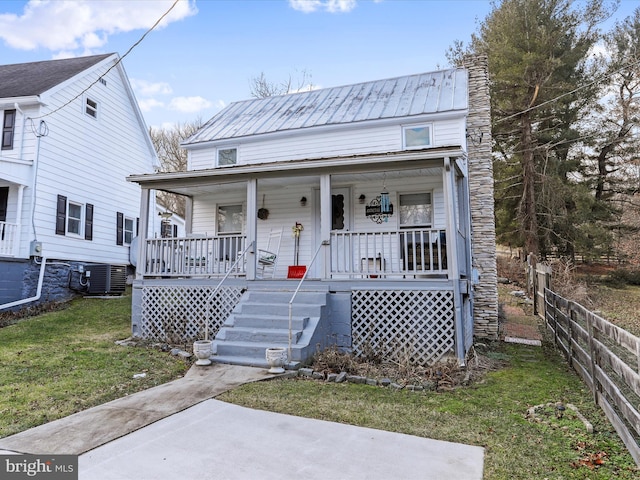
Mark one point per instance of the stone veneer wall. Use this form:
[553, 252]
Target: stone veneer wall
[483, 232]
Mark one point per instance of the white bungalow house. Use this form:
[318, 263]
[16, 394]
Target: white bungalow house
[359, 216]
[71, 133]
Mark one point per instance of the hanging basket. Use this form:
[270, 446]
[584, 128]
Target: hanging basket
[263, 213]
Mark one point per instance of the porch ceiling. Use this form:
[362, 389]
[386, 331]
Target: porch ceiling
[285, 182]
[343, 170]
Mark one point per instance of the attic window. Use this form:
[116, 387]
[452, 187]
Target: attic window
[416, 136]
[227, 156]
[91, 108]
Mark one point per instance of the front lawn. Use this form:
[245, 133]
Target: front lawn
[61, 362]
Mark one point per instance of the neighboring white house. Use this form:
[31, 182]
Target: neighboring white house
[71, 133]
[382, 192]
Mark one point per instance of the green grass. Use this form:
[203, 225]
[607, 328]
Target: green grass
[491, 414]
[62, 362]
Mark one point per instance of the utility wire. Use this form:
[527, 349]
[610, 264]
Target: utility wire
[112, 66]
[568, 93]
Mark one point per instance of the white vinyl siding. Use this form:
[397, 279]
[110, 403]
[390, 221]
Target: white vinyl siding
[88, 162]
[336, 142]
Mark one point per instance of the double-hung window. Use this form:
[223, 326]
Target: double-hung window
[74, 218]
[91, 107]
[416, 210]
[8, 129]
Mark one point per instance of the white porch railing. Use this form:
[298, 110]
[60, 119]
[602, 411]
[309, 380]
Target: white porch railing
[194, 256]
[407, 252]
[8, 238]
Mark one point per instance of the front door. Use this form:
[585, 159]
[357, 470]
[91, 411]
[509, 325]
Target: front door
[340, 218]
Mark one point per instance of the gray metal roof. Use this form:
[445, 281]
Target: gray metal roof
[413, 95]
[27, 79]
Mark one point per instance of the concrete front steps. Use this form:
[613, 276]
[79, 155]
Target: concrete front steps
[261, 321]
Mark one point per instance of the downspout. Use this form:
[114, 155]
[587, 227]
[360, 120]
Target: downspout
[38, 290]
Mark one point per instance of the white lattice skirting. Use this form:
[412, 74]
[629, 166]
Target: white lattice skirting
[177, 313]
[401, 325]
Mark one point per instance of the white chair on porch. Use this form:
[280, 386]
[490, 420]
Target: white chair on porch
[268, 257]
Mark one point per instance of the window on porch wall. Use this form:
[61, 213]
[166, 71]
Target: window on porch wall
[230, 222]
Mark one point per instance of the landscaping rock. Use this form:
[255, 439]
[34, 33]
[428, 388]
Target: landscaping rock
[332, 377]
[342, 376]
[371, 381]
[385, 382]
[356, 379]
[317, 375]
[396, 386]
[305, 372]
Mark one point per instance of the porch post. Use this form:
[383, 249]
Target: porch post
[452, 255]
[252, 226]
[325, 222]
[143, 234]
[17, 240]
[188, 215]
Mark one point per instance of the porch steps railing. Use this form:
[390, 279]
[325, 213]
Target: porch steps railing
[261, 321]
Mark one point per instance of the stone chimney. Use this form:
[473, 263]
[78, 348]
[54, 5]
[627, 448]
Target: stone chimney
[483, 231]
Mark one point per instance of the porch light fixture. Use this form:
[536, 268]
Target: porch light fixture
[303, 202]
[361, 198]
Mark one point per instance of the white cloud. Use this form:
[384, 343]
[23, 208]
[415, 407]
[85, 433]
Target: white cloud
[189, 104]
[84, 25]
[147, 104]
[331, 6]
[146, 88]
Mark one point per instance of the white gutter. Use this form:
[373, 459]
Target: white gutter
[38, 291]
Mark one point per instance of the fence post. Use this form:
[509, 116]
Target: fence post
[570, 319]
[592, 359]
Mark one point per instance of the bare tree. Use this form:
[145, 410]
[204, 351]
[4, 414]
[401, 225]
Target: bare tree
[173, 158]
[260, 87]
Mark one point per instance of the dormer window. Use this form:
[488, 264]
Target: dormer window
[91, 108]
[416, 136]
[227, 156]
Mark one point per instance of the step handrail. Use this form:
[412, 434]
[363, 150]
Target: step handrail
[217, 289]
[293, 297]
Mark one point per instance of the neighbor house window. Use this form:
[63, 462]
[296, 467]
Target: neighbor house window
[416, 210]
[128, 230]
[74, 218]
[91, 108]
[417, 136]
[8, 129]
[230, 219]
[227, 156]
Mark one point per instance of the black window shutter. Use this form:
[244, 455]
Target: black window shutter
[175, 230]
[119, 228]
[137, 225]
[88, 222]
[61, 215]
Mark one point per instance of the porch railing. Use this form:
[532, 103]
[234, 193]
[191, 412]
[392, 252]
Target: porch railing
[8, 238]
[373, 254]
[194, 256]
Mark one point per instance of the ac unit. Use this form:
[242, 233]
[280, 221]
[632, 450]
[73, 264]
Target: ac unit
[103, 279]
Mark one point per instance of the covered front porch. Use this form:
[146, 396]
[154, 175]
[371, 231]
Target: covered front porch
[394, 276]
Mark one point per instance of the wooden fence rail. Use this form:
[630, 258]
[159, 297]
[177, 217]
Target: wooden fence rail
[606, 357]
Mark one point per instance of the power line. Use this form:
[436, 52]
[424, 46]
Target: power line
[635, 64]
[112, 66]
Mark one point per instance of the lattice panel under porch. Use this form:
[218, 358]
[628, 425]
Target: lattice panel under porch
[400, 325]
[176, 314]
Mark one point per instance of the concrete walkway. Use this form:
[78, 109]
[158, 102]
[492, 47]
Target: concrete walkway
[178, 430]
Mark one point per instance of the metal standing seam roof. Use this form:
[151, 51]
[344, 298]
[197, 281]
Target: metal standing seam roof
[419, 94]
[34, 78]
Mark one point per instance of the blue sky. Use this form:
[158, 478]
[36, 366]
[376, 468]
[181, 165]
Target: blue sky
[207, 51]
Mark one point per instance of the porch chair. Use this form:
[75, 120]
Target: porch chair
[268, 257]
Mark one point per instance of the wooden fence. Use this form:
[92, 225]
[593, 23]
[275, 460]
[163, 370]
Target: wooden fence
[606, 357]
